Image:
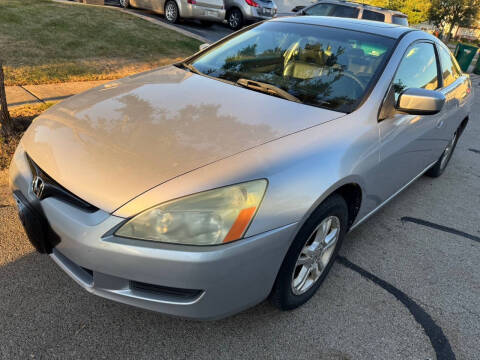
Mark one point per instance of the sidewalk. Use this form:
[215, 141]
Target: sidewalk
[31, 94]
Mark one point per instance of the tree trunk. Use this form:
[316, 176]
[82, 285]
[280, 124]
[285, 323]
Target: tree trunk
[6, 122]
[450, 30]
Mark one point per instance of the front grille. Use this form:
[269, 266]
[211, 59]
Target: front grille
[164, 290]
[55, 190]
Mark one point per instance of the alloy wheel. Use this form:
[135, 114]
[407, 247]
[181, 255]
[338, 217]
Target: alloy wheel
[234, 20]
[171, 12]
[315, 255]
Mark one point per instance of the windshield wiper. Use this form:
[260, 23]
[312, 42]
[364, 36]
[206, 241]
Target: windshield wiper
[191, 68]
[267, 89]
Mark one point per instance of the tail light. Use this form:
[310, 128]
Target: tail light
[251, 3]
[193, 2]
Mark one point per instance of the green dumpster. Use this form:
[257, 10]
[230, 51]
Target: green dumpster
[464, 55]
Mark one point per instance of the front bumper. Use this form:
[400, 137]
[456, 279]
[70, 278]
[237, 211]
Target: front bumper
[188, 281]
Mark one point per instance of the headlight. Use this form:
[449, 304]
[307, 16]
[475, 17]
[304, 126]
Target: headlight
[211, 217]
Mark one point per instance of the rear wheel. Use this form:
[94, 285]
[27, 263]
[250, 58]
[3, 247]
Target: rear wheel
[125, 3]
[440, 166]
[311, 254]
[235, 19]
[171, 12]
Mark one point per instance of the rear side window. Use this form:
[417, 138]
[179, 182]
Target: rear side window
[450, 73]
[418, 69]
[373, 15]
[333, 10]
[320, 10]
[345, 12]
[399, 20]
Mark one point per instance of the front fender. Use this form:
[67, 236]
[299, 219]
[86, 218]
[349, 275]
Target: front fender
[302, 169]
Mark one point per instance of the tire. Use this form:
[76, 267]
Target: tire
[235, 19]
[441, 164]
[125, 4]
[288, 292]
[171, 12]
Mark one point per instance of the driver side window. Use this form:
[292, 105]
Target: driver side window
[418, 69]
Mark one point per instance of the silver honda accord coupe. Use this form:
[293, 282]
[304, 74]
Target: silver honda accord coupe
[203, 188]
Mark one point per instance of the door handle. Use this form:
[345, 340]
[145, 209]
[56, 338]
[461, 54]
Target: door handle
[440, 123]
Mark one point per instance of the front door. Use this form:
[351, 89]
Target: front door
[456, 89]
[407, 141]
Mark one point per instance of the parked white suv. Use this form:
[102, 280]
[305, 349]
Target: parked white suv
[348, 9]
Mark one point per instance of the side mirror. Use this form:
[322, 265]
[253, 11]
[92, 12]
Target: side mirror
[420, 102]
[203, 46]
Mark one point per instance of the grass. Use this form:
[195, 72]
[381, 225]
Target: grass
[47, 42]
[22, 117]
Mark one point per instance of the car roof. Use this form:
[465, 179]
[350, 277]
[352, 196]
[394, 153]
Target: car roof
[374, 27]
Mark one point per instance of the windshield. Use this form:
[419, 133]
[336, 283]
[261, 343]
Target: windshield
[326, 67]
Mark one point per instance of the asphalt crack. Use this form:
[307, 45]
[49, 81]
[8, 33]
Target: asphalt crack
[441, 228]
[439, 341]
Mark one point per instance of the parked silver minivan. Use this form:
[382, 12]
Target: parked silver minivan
[239, 12]
[207, 11]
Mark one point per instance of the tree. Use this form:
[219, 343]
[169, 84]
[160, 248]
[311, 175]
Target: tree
[6, 123]
[446, 14]
[417, 11]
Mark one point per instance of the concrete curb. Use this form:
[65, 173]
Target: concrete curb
[144, 17]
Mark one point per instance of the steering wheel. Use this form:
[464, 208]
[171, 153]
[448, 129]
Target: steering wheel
[289, 53]
[352, 76]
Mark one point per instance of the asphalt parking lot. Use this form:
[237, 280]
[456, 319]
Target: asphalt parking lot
[212, 33]
[407, 286]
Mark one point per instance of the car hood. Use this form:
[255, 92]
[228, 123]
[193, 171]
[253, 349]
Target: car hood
[123, 138]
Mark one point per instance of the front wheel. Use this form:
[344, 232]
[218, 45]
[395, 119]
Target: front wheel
[440, 166]
[171, 12]
[235, 19]
[311, 254]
